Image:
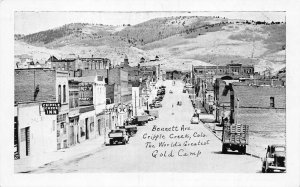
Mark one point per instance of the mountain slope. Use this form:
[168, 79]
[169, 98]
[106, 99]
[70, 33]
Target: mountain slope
[178, 41]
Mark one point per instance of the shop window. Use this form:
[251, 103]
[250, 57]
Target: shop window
[272, 102]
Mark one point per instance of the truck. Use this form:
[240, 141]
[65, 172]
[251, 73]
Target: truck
[274, 159]
[235, 137]
[118, 136]
[140, 120]
[152, 113]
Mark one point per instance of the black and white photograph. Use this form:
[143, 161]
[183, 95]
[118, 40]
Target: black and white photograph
[150, 92]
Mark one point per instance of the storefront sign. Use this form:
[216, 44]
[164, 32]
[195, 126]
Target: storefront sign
[85, 94]
[122, 109]
[51, 108]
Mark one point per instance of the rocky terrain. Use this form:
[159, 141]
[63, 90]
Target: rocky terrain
[178, 41]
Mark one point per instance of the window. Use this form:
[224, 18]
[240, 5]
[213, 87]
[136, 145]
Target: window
[65, 129]
[64, 93]
[272, 102]
[59, 93]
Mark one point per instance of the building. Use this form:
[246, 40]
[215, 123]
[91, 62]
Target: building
[229, 69]
[119, 78]
[45, 86]
[148, 73]
[174, 75]
[76, 66]
[35, 132]
[133, 72]
[256, 105]
[73, 136]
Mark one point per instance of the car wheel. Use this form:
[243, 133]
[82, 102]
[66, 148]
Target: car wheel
[224, 149]
[263, 169]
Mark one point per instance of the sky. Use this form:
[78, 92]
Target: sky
[32, 22]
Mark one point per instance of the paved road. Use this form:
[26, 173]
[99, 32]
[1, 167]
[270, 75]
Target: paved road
[135, 157]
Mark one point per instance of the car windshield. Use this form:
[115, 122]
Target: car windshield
[116, 131]
[279, 149]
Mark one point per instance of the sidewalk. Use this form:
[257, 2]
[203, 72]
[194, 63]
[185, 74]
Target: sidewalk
[31, 163]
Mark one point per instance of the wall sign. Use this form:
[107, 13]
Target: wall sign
[51, 108]
[85, 94]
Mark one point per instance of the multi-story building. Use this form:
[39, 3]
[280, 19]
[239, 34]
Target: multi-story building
[45, 86]
[76, 66]
[229, 69]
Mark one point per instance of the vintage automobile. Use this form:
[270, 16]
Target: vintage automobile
[152, 105]
[131, 130]
[118, 136]
[274, 159]
[157, 104]
[151, 118]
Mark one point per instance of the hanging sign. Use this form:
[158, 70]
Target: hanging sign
[51, 108]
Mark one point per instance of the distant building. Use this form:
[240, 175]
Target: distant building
[237, 70]
[174, 75]
[75, 66]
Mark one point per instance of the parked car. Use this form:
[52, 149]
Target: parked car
[151, 118]
[118, 136]
[158, 104]
[170, 91]
[179, 103]
[152, 105]
[184, 91]
[195, 120]
[274, 159]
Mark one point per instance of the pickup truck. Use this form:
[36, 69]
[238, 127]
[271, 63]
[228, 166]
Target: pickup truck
[235, 137]
[118, 136]
[274, 159]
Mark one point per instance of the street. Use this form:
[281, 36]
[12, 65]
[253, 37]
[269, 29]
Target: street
[196, 150]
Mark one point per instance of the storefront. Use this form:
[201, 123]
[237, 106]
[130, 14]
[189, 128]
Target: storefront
[73, 137]
[86, 123]
[62, 131]
[100, 121]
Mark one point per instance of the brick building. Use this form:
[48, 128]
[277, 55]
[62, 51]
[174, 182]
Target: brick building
[45, 86]
[251, 102]
[75, 66]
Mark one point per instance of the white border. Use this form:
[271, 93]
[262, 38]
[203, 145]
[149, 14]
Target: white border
[7, 178]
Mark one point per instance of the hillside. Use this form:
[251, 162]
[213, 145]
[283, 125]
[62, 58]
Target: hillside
[178, 41]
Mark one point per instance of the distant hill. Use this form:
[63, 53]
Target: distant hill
[179, 41]
[140, 34]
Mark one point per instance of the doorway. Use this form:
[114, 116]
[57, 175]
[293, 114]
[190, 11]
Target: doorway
[86, 128]
[27, 138]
